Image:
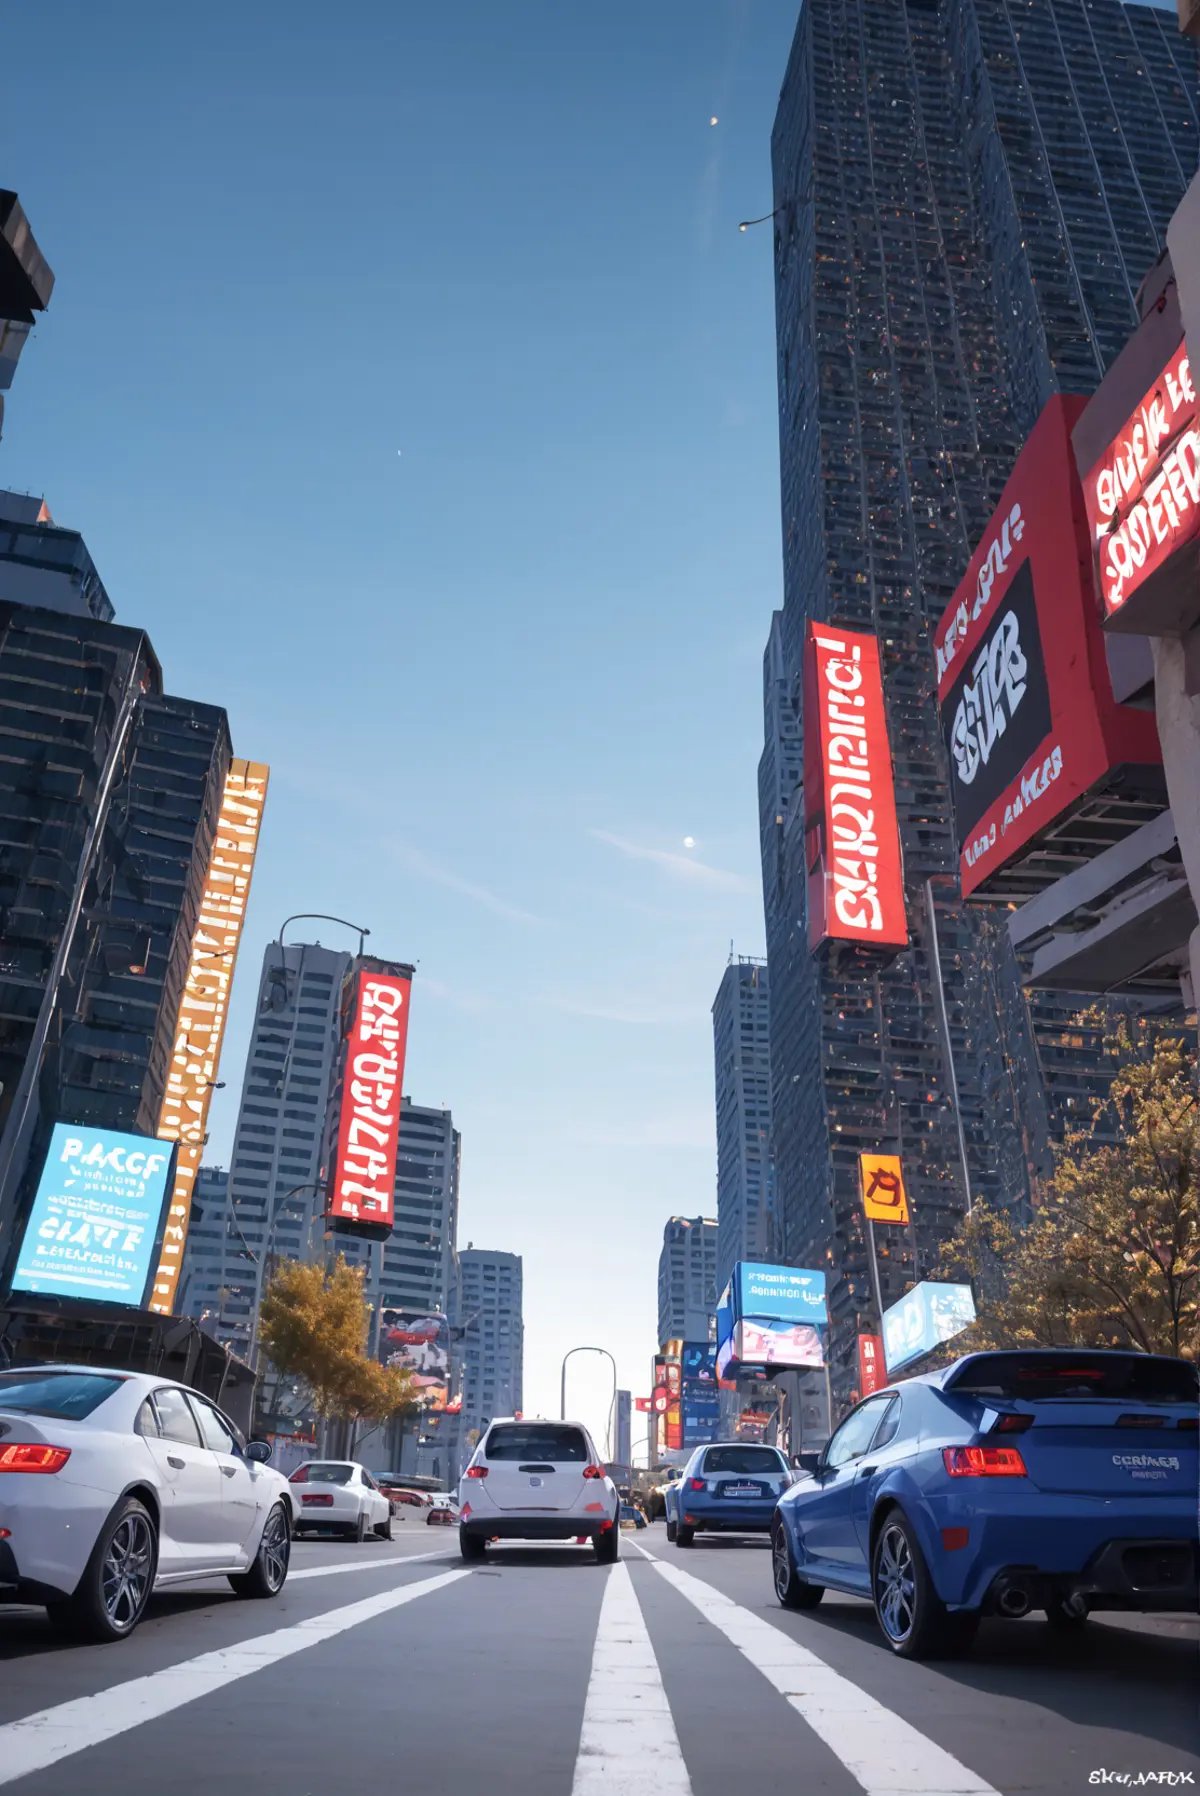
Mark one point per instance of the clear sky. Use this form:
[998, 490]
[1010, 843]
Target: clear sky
[413, 387]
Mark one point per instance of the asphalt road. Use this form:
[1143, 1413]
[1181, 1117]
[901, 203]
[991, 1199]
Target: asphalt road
[392, 1666]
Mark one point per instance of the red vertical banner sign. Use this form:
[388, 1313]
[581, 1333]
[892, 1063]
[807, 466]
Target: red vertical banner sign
[872, 1373]
[361, 1189]
[851, 837]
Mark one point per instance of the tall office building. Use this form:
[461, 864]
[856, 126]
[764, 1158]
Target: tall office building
[687, 1279]
[44, 564]
[968, 194]
[742, 1061]
[204, 1252]
[110, 792]
[492, 1330]
[413, 1269]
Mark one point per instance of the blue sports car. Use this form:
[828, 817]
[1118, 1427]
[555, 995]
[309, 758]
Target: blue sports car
[1051, 1479]
[729, 1487]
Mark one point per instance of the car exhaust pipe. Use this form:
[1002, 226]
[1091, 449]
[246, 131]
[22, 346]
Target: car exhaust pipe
[1014, 1601]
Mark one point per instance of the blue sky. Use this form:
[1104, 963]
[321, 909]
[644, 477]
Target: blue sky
[413, 387]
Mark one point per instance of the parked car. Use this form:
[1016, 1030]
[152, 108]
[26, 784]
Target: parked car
[1047, 1478]
[729, 1487]
[339, 1496]
[116, 1484]
[393, 1485]
[533, 1480]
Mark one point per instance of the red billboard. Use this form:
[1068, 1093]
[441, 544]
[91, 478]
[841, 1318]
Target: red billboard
[1143, 493]
[1024, 694]
[872, 1373]
[851, 839]
[361, 1195]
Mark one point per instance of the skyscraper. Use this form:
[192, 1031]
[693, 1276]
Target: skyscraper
[26, 283]
[687, 1279]
[204, 1252]
[742, 1061]
[968, 193]
[492, 1327]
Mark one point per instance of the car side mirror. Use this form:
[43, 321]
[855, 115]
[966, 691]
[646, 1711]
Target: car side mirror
[808, 1462]
[258, 1451]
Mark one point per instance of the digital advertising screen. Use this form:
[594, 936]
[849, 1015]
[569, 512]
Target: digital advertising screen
[779, 1293]
[419, 1345]
[95, 1228]
[699, 1362]
[926, 1317]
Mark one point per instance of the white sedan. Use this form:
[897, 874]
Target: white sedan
[339, 1496]
[115, 1484]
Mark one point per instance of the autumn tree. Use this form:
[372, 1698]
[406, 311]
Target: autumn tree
[314, 1325]
[1112, 1254]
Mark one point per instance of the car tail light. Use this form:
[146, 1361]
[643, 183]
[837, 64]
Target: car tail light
[983, 1462]
[1012, 1424]
[1192, 1422]
[477, 1471]
[312, 1501]
[32, 1456]
[695, 1484]
[593, 1471]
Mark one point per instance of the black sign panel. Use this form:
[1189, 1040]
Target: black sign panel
[997, 713]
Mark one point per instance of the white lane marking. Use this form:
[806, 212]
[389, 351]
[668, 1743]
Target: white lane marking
[353, 1565]
[627, 1745]
[38, 1741]
[882, 1751]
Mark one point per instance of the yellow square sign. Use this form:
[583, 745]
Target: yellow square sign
[884, 1196]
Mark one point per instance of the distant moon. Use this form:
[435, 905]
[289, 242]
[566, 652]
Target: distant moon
[689, 841]
[714, 120]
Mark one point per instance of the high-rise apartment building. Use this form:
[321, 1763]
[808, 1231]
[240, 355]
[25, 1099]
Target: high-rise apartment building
[273, 1206]
[492, 1331]
[742, 1061]
[968, 193]
[687, 1279]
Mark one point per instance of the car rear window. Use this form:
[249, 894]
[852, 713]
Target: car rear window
[537, 1441]
[759, 1460]
[69, 1396]
[1036, 1378]
[329, 1474]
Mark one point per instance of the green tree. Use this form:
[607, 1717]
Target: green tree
[314, 1325]
[1112, 1255]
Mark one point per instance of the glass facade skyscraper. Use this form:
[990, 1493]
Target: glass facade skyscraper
[968, 193]
[742, 1066]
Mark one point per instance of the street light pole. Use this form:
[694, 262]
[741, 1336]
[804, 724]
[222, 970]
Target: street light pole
[563, 1388]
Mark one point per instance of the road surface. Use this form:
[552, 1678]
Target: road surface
[393, 1667]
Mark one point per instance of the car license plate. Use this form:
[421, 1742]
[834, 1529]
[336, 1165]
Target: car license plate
[743, 1490]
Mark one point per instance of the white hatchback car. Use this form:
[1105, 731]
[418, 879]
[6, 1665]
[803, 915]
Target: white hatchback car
[532, 1480]
[339, 1496]
[114, 1484]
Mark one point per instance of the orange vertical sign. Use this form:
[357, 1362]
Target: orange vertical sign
[884, 1196]
[204, 1007]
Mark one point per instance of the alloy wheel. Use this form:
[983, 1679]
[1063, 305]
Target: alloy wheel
[126, 1571]
[895, 1583]
[276, 1549]
[781, 1563]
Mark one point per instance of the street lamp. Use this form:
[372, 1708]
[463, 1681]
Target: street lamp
[320, 916]
[563, 1389]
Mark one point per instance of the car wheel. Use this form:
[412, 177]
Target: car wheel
[472, 1547]
[1064, 1620]
[915, 1622]
[790, 1588]
[608, 1545]
[268, 1575]
[384, 1530]
[359, 1530]
[118, 1579]
[684, 1536]
[671, 1532]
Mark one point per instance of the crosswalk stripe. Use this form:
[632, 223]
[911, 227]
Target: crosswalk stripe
[627, 1745]
[884, 1753]
[38, 1741]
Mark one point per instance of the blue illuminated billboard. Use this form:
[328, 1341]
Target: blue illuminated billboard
[927, 1316]
[778, 1293]
[701, 1413]
[96, 1225]
[699, 1361]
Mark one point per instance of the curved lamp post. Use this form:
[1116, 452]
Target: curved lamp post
[562, 1407]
